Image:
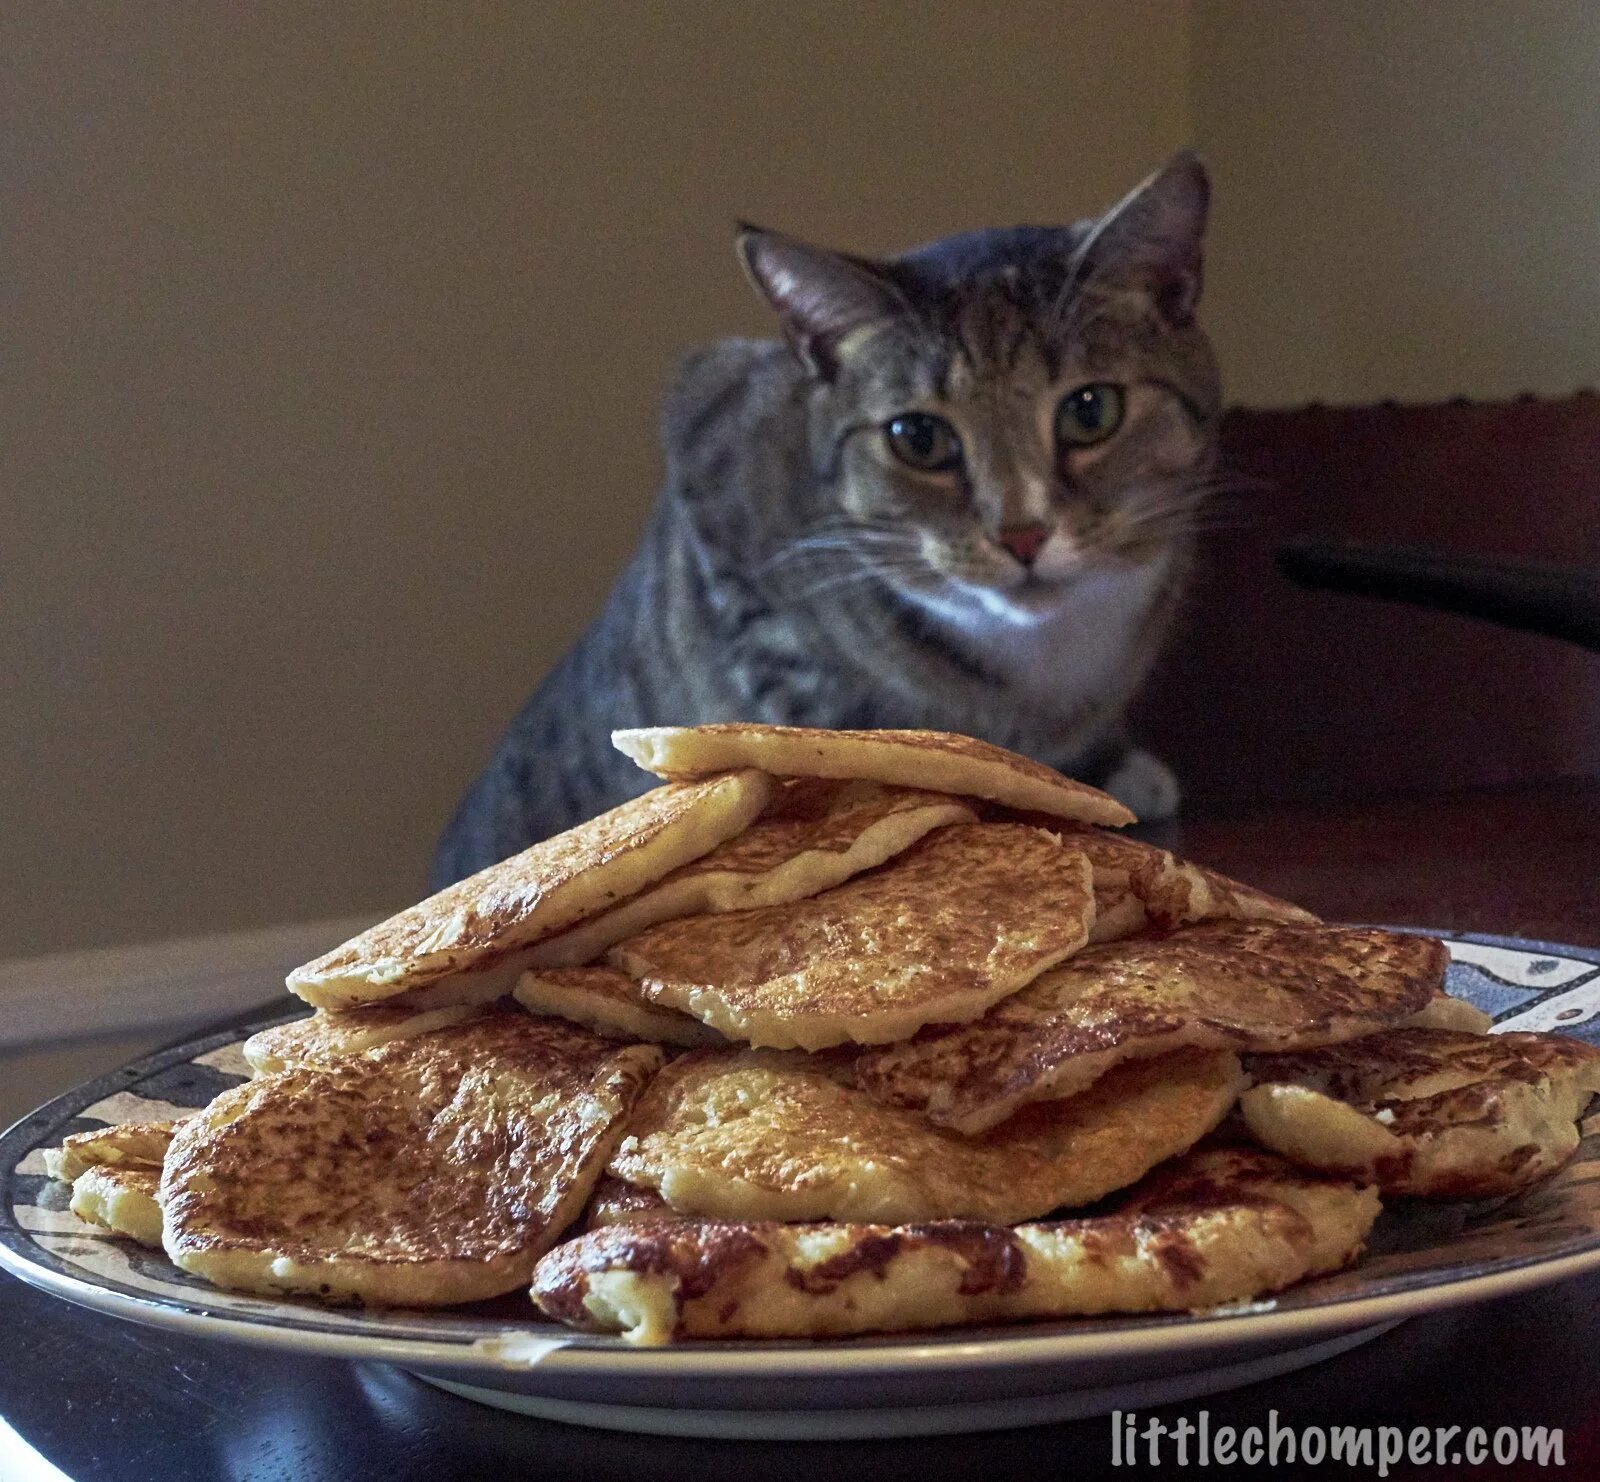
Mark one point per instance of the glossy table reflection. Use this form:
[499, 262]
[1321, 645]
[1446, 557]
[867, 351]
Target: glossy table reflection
[107, 1402]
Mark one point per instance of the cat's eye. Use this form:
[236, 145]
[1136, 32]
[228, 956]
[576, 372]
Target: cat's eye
[922, 441]
[1088, 415]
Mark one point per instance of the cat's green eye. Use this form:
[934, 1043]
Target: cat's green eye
[1088, 415]
[921, 440]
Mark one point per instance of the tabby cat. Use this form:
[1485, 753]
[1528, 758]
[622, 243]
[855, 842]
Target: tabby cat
[960, 496]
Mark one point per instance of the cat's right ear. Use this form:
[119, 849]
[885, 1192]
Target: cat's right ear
[821, 298]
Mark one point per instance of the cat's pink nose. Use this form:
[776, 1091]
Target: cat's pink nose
[1025, 541]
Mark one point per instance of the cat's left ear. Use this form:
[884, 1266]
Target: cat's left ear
[1154, 236]
[821, 297]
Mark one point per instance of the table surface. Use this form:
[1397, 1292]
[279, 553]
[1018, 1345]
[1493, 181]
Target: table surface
[1516, 861]
[102, 1400]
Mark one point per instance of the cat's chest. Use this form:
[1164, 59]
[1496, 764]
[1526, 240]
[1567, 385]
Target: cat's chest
[1063, 655]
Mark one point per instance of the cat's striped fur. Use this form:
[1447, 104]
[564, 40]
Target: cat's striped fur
[793, 571]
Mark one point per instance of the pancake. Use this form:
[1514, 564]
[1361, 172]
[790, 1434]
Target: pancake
[1223, 1225]
[754, 1135]
[1444, 1012]
[1428, 1112]
[428, 1171]
[608, 1001]
[1138, 887]
[326, 1036]
[472, 932]
[115, 1173]
[121, 1198]
[127, 1145]
[938, 760]
[964, 917]
[1209, 895]
[616, 1203]
[815, 833]
[1241, 985]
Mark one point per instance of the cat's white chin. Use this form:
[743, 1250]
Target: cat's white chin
[972, 605]
[1067, 640]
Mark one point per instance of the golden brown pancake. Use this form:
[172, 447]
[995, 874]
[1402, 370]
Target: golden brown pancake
[814, 834]
[124, 1199]
[127, 1145]
[472, 932]
[115, 1173]
[753, 1135]
[615, 1203]
[1139, 888]
[608, 1001]
[1444, 1012]
[327, 1036]
[1222, 1225]
[1429, 1112]
[428, 1171]
[1209, 895]
[964, 917]
[938, 760]
[1242, 985]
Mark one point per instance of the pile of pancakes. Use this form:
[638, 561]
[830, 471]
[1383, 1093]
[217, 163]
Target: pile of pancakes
[837, 1032]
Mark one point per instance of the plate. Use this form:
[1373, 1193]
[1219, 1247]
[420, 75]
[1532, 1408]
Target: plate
[1419, 1260]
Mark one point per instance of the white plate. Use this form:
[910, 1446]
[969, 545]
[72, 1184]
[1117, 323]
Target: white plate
[1419, 1260]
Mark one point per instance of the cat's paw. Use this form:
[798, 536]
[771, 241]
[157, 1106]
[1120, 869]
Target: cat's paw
[1145, 784]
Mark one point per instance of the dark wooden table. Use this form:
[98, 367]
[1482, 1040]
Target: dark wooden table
[1514, 862]
[107, 1402]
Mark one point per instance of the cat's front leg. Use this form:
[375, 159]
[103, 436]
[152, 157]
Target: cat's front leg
[1144, 783]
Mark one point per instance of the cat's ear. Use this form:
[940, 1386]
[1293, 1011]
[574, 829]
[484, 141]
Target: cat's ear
[1154, 236]
[821, 298]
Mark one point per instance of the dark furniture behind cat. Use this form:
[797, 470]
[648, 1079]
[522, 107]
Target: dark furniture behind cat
[1271, 692]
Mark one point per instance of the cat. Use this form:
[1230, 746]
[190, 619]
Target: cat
[959, 494]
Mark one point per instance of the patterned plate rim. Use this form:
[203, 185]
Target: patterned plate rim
[502, 1346]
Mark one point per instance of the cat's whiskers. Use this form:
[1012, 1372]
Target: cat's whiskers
[909, 571]
[1193, 506]
[1224, 481]
[838, 565]
[839, 540]
[1220, 494]
[841, 528]
[1167, 513]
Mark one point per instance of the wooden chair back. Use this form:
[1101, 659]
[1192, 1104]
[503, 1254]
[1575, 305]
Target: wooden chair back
[1272, 693]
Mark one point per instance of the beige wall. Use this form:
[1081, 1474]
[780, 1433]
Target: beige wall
[335, 337]
[336, 334]
[1408, 196]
